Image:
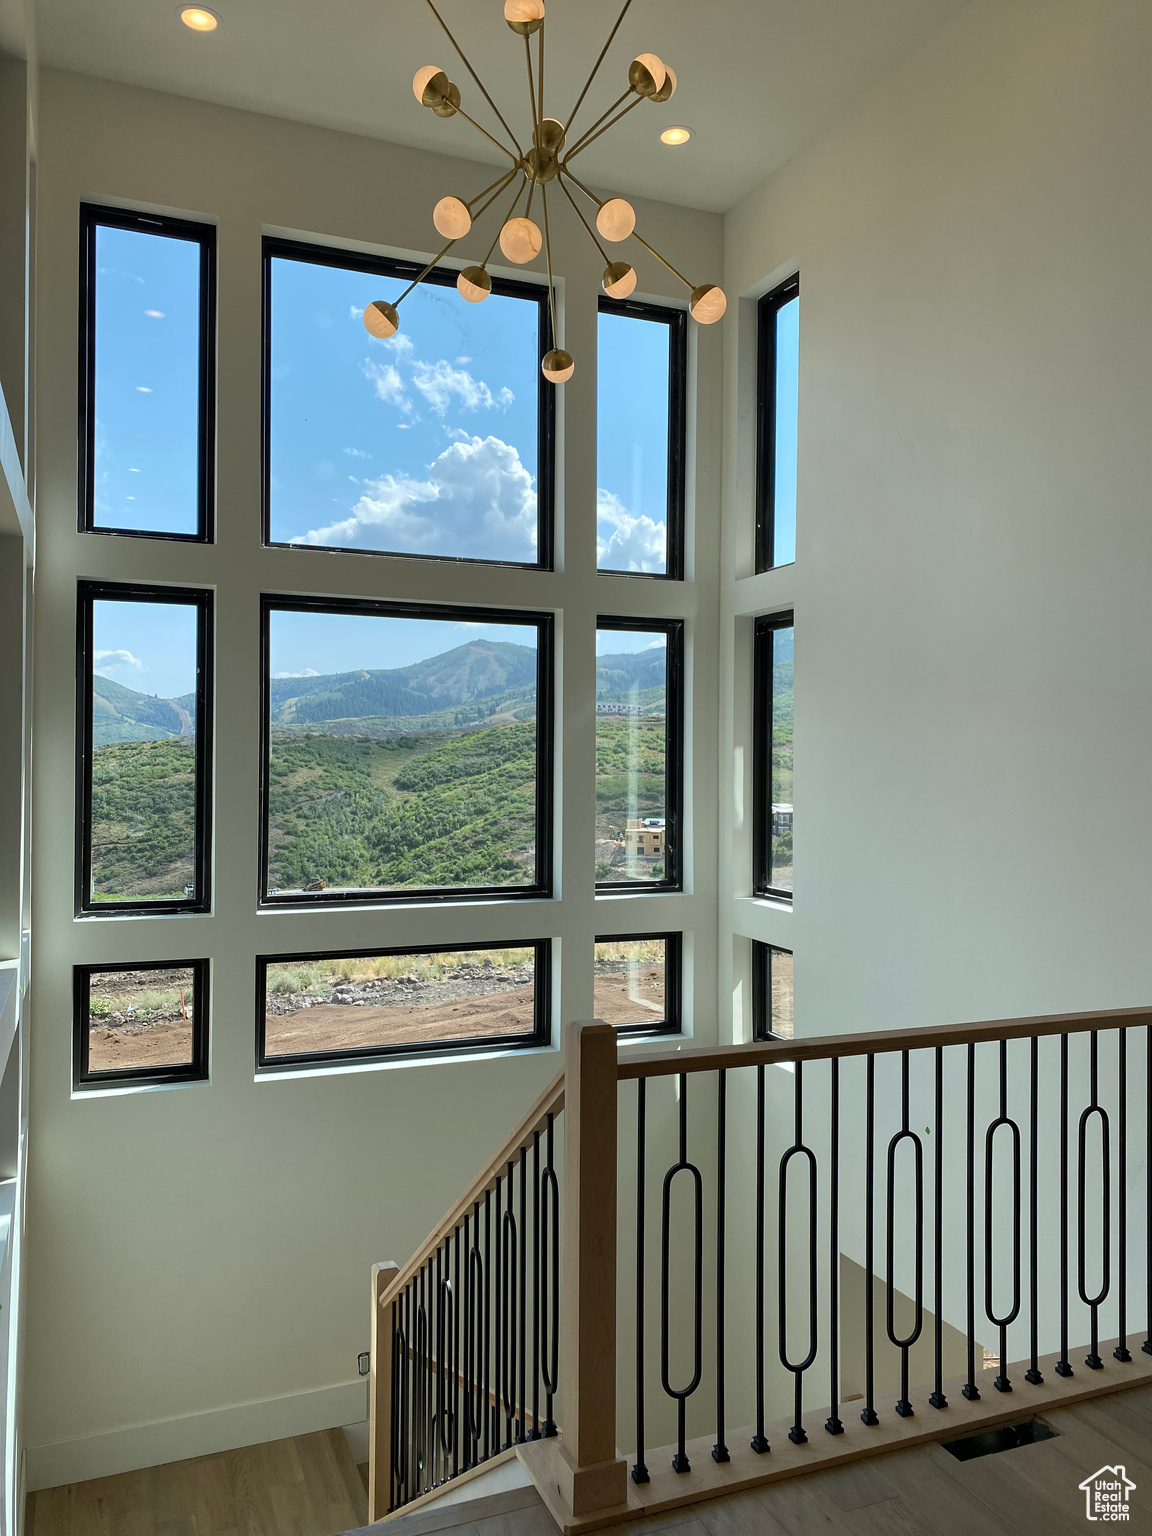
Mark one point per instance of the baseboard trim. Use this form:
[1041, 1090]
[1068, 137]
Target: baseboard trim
[194, 1434]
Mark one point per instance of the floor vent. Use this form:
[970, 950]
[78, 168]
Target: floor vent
[1006, 1438]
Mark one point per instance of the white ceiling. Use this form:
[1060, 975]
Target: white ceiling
[757, 78]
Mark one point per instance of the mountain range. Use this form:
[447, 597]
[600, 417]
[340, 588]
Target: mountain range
[484, 672]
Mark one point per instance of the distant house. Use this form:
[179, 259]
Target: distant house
[781, 820]
[644, 838]
[1106, 1494]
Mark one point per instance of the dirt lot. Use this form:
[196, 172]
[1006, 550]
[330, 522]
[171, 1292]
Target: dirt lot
[137, 1020]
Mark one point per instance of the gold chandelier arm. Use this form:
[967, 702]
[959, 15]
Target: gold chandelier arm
[531, 86]
[576, 182]
[503, 148]
[417, 280]
[596, 66]
[548, 259]
[498, 185]
[500, 226]
[650, 249]
[476, 77]
[584, 221]
[589, 136]
[540, 90]
[583, 139]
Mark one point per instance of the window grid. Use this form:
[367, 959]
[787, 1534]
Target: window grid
[92, 217]
[768, 309]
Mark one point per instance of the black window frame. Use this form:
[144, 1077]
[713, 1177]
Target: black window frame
[767, 309]
[92, 217]
[302, 1061]
[544, 621]
[763, 643]
[673, 880]
[202, 598]
[762, 990]
[673, 1021]
[677, 322]
[274, 247]
[195, 1071]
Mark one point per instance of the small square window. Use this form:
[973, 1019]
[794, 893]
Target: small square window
[772, 993]
[144, 1023]
[637, 983]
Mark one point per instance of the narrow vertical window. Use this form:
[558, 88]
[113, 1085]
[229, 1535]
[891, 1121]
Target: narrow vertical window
[437, 442]
[407, 751]
[639, 753]
[147, 342]
[772, 1004]
[773, 813]
[637, 983]
[140, 1022]
[143, 727]
[777, 409]
[640, 425]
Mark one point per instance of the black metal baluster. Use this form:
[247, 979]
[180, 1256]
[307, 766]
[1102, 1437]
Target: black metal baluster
[535, 1285]
[640, 1467]
[1147, 1344]
[551, 1312]
[680, 1462]
[439, 1439]
[970, 1390]
[507, 1387]
[832, 1423]
[1063, 1366]
[759, 1442]
[1002, 1382]
[486, 1342]
[471, 1260]
[720, 1451]
[1092, 1359]
[797, 1433]
[410, 1430]
[1033, 1374]
[420, 1374]
[498, 1299]
[868, 1414]
[400, 1367]
[937, 1398]
[456, 1298]
[394, 1474]
[1122, 1352]
[905, 1133]
[522, 1236]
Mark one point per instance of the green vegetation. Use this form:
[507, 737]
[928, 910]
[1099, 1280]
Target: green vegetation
[143, 819]
[782, 699]
[319, 978]
[630, 761]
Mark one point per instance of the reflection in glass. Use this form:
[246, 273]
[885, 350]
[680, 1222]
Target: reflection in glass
[780, 852]
[629, 982]
[144, 725]
[423, 444]
[632, 383]
[388, 1002]
[402, 753]
[146, 443]
[631, 756]
[141, 1020]
[786, 354]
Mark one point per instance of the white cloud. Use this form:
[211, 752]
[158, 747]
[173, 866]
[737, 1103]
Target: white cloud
[461, 360]
[307, 672]
[115, 661]
[143, 389]
[357, 453]
[399, 343]
[624, 542]
[478, 500]
[154, 314]
[438, 382]
[388, 384]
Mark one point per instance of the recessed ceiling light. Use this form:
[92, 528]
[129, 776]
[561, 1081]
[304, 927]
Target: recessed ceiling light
[675, 135]
[199, 18]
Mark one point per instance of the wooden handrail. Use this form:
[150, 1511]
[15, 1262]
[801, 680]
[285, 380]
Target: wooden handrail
[870, 1042]
[550, 1102]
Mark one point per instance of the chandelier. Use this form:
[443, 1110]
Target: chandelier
[545, 163]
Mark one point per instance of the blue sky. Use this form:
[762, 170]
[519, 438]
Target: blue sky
[787, 425]
[621, 642]
[632, 444]
[422, 444]
[150, 647]
[147, 381]
[307, 643]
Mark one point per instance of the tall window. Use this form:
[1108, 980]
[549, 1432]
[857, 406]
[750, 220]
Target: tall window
[772, 992]
[379, 1003]
[143, 725]
[147, 374]
[638, 983]
[773, 812]
[777, 410]
[436, 442]
[639, 746]
[640, 425]
[407, 751]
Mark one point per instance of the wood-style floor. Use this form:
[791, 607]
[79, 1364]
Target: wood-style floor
[307, 1486]
[1032, 1490]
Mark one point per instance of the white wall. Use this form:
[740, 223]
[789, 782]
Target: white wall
[973, 722]
[199, 1249]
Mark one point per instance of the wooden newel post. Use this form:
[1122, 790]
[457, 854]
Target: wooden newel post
[380, 1394]
[592, 1476]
